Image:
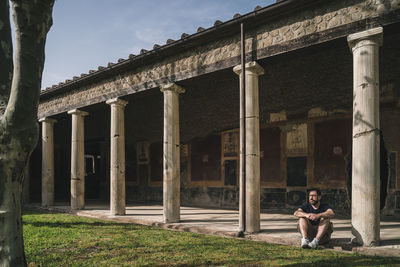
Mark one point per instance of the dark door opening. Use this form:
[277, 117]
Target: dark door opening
[296, 169]
[95, 171]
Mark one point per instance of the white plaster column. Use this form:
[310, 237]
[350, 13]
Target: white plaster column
[171, 153]
[77, 159]
[117, 160]
[365, 212]
[252, 131]
[47, 161]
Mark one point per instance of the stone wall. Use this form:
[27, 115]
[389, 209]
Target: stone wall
[221, 54]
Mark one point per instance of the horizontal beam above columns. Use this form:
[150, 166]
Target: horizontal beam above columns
[269, 51]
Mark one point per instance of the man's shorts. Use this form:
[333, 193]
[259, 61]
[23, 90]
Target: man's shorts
[313, 229]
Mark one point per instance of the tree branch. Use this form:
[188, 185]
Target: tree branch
[6, 66]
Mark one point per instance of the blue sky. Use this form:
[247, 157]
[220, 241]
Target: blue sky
[90, 33]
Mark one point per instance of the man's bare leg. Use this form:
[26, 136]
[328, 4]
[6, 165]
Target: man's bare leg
[322, 228]
[303, 225]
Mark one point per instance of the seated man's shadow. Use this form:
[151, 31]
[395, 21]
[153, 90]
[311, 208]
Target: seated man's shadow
[343, 242]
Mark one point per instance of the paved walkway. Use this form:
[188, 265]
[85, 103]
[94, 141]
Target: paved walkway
[275, 227]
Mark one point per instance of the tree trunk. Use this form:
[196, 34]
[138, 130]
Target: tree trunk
[18, 124]
[6, 65]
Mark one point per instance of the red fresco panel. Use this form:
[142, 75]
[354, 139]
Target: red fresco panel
[270, 158]
[332, 144]
[206, 159]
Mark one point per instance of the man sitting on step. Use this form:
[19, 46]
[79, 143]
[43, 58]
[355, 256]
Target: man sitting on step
[314, 220]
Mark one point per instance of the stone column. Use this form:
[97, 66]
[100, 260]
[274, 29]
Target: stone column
[47, 161]
[77, 159]
[365, 213]
[171, 151]
[253, 70]
[117, 161]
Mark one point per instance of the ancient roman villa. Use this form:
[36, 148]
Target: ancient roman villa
[322, 109]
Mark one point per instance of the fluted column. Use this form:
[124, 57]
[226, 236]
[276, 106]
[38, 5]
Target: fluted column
[117, 164]
[47, 161]
[365, 212]
[252, 131]
[171, 151]
[77, 159]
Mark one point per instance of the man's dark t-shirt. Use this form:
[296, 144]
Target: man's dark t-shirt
[307, 207]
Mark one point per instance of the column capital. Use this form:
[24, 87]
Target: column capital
[117, 101]
[373, 35]
[252, 67]
[78, 112]
[47, 120]
[172, 87]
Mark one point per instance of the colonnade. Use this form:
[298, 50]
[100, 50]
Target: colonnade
[252, 156]
[365, 170]
[47, 161]
[171, 159]
[171, 155]
[117, 164]
[365, 208]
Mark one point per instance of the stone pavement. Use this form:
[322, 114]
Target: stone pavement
[276, 228]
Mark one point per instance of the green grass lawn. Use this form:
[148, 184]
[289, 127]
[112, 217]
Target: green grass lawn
[66, 240]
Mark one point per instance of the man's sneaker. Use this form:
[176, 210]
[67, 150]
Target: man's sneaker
[305, 243]
[313, 244]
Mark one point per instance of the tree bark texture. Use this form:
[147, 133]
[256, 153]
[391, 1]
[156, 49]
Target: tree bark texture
[18, 120]
[6, 62]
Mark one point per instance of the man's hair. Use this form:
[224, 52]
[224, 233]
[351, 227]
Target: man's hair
[315, 189]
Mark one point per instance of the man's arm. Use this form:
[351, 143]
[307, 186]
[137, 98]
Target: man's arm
[299, 213]
[328, 214]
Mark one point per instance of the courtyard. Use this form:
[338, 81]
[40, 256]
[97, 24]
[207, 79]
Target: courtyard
[55, 239]
[277, 227]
